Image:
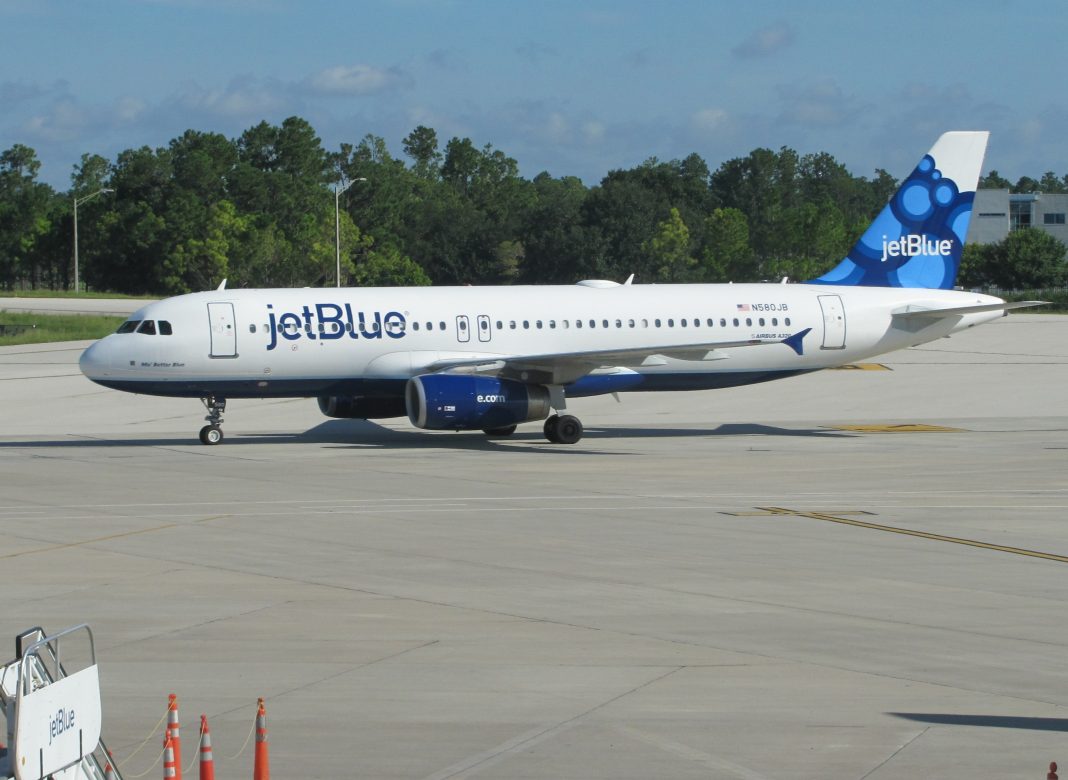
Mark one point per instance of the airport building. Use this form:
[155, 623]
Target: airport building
[996, 213]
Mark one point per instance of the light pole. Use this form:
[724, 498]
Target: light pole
[337, 221]
[76, 202]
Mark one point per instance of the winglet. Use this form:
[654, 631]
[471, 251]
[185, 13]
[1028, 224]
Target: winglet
[795, 342]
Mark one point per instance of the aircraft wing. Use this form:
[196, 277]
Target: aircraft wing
[563, 367]
[917, 313]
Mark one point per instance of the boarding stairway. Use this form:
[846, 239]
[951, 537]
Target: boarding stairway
[53, 716]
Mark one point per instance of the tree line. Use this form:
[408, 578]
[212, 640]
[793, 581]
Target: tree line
[259, 210]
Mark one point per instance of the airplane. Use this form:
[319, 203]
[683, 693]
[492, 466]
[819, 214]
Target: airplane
[491, 358]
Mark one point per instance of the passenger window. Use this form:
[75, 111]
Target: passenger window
[129, 326]
[566, 324]
[671, 323]
[645, 323]
[657, 323]
[593, 323]
[736, 322]
[148, 327]
[761, 321]
[552, 324]
[511, 324]
[251, 328]
[604, 323]
[441, 325]
[630, 323]
[710, 322]
[165, 328]
[682, 322]
[526, 324]
[578, 323]
[500, 325]
[774, 320]
[723, 322]
[415, 325]
[787, 321]
[749, 321]
[619, 323]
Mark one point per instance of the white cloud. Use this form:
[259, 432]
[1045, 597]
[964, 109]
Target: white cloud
[709, 119]
[819, 104]
[357, 80]
[244, 97]
[765, 41]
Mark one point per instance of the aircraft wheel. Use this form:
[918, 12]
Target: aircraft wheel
[211, 434]
[568, 429]
[549, 429]
[505, 430]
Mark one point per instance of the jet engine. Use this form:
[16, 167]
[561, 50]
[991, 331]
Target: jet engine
[356, 407]
[463, 402]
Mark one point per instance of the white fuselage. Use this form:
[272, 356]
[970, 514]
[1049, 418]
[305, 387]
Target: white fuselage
[307, 342]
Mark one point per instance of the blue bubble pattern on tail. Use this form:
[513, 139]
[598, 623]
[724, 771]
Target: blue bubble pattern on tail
[916, 241]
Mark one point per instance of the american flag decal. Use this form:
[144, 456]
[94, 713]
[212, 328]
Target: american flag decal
[743, 307]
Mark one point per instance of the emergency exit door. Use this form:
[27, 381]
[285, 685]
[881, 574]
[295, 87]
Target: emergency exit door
[223, 330]
[834, 323]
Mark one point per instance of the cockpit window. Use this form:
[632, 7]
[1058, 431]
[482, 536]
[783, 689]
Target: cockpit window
[165, 328]
[148, 327]
[129, 326]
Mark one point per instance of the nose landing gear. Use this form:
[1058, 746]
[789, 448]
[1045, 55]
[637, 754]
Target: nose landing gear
[212, 432]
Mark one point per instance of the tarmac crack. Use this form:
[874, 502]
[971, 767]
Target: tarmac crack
[534, 736]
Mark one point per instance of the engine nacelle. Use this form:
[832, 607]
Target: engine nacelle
[355, 407]
[463, 402]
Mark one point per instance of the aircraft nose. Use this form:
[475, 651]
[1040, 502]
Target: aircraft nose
[93, 362]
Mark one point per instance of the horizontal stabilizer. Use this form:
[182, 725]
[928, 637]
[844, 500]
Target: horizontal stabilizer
[955, 311]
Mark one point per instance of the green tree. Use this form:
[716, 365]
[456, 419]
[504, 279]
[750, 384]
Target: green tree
[27, 213]
[422, 146]
[726, 255]
[389, 268]
[994, 181]
[1025, 259]
[1051, 183]
[557, 245]
[669, 249]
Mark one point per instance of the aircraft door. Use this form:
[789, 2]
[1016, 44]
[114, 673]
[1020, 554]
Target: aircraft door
[485, 329]
[223, 330]
[834, 323]
[463, 328]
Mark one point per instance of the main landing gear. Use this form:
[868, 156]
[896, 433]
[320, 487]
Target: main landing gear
[563, 429]
[212, 432]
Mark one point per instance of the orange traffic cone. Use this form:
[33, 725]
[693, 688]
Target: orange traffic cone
[262, 767]
[176, 737]
[207, 762]
[168, 758]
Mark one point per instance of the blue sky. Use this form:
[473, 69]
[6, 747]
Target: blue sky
[570, 87]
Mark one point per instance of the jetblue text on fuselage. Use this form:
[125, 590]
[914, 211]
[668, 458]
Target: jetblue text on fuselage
[332, 321]
[912, 245]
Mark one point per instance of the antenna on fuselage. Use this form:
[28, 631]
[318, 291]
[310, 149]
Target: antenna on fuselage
[222, 286]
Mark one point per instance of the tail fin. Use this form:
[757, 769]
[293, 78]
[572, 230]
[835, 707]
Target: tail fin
[916, 241]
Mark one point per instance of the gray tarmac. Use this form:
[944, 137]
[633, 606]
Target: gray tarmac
[723, 584]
